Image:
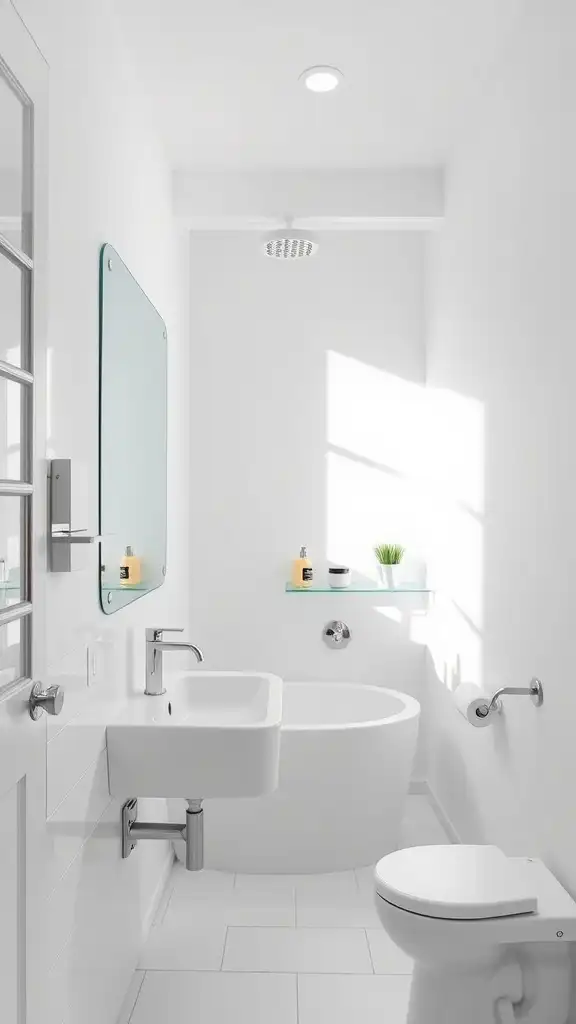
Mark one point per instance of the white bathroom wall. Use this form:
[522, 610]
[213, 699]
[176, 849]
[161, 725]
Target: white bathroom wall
[306, 404]
[109, 182]
[502, 366]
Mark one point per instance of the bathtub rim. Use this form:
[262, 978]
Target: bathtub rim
[411, 708]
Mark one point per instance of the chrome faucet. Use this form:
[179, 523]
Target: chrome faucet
[155, 647]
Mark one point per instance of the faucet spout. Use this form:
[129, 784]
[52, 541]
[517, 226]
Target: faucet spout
[166, 645]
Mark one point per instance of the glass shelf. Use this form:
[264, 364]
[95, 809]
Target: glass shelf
[358, 588]
[124, 587]
[11, 585]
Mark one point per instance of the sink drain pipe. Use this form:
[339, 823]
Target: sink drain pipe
[192, 831]
[194, 836]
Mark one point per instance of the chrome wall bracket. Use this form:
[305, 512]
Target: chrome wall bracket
[535, 691]
[61, 536]
[192, 832]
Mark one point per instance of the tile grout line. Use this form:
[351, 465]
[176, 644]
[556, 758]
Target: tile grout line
[307, 927]
[224, 948]
[131, 1014]
[283, 973]
[369, 950]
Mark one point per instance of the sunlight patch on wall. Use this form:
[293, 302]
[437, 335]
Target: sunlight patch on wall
[375, 415]
[365, 506]
[394, 614]
[374, 430]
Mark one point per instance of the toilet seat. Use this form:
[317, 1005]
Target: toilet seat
[466, 883]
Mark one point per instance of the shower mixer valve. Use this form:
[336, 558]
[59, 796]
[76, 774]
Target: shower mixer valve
[336, 634]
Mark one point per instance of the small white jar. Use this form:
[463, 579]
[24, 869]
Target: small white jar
[339, 577]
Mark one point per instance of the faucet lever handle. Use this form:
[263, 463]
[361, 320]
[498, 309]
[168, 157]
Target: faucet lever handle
[155, 633]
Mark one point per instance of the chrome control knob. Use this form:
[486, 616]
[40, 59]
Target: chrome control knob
[336, 634]
[50, 700]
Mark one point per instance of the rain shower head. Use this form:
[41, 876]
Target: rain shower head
[288, 244]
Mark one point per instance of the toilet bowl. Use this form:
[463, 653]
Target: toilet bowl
[488, 934]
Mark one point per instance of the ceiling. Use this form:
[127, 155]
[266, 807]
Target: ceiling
[221, 77]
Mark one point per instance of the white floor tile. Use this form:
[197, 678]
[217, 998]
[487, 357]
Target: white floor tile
[267, 883]
[183, 946]
[201, 881]
[298, 950]
[338, 999]
[334, 885]
[387, 958]
[236, 907]
[324, 910]
[342, 882]
[179, 998]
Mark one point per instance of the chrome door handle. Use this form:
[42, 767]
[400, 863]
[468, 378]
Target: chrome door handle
[50, 700]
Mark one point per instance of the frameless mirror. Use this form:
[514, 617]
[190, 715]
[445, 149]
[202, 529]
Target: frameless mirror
[133, 438]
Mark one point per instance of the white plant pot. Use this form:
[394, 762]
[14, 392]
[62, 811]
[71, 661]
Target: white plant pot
[389, 575]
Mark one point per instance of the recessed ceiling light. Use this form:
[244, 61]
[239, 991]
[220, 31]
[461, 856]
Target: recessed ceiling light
[321, 78]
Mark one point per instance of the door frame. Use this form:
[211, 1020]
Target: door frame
[25, 62]
[22, 741]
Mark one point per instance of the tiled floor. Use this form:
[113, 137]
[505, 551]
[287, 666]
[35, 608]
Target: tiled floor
[292, 949]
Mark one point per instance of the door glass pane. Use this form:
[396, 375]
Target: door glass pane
[11, 398]
[11, 294]
[11, 518]
[11, 661]
[13, 215]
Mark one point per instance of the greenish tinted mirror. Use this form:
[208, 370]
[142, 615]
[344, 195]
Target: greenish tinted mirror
[133, 439]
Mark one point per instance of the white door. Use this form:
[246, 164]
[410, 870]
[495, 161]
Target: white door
[23, 173]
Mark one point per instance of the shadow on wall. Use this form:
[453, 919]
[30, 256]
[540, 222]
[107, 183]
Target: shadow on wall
[375, 423]
[489, 781]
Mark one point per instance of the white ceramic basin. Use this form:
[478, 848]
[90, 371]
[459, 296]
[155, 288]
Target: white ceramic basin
[212, 734]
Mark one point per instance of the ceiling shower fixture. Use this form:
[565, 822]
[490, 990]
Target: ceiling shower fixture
[289, 244]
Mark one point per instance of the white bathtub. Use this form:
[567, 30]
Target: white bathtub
[345, 765]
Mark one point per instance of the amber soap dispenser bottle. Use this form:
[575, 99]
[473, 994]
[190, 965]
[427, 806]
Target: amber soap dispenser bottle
[302, 571]
[130, 569]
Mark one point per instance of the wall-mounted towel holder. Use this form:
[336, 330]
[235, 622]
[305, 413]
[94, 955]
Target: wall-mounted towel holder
[61, 536]
[535, 691]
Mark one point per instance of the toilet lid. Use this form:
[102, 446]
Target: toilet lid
[466, 883]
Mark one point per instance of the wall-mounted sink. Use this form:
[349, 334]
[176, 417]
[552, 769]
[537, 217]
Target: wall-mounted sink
[212, 734]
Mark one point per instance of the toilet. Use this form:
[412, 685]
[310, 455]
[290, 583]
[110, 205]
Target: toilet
[488, 934]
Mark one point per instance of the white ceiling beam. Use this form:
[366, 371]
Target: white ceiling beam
[355, 200]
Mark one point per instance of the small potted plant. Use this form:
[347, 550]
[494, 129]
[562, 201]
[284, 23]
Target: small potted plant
[389, 557]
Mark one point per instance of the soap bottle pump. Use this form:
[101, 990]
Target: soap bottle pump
[302, 571]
